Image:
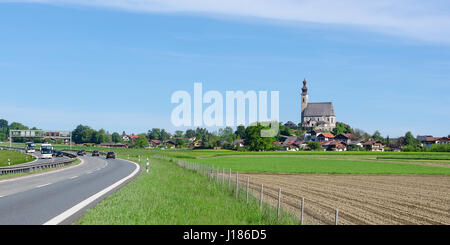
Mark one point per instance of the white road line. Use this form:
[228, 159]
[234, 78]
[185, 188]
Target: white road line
[39, 186]
[89, 172]
[1, 196]
[73, 177]
[60, 218]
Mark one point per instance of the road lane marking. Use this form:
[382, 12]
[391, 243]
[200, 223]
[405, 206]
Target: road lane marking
[63, 216]
[73, 177]
[1, 196]
[39, 186]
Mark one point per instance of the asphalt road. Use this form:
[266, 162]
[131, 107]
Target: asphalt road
[36, 199]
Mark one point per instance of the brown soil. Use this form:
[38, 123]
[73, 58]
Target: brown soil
[360, 199]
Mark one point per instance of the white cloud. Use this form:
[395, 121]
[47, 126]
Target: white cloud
[422, 20]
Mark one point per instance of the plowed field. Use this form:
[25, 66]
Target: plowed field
[360, 199]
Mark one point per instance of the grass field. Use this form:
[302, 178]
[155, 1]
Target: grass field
[270, 164]
[14, 156]
[171, 195]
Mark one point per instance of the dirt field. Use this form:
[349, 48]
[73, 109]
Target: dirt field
[360, 199]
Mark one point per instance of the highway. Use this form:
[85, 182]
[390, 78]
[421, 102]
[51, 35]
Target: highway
[62, 196]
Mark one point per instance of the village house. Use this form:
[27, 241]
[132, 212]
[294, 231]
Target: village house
[133, 138]
[169, 144]
[346, 138]
[238, 143]
[373, 146]
[325, 137]
[154, 143]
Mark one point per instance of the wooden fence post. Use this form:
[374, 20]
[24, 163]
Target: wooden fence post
[261, 197]
[248, 180]
[279, 200]
[237, 184]
[301, 211]
[336, 217]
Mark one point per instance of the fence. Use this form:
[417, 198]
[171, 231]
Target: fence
[243, 184]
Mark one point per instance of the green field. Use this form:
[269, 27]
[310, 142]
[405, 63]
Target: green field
[14, 156]
[172, 195]
[271, 164]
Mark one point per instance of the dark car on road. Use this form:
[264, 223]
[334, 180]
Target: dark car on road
[81, 153]
[58, 154]
[111, 155]
[95, 153]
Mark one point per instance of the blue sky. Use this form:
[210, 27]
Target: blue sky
[115, 64]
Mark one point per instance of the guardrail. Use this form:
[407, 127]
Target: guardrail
[37, 166]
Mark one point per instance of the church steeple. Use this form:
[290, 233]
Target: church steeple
[304, 89]
[304, 99]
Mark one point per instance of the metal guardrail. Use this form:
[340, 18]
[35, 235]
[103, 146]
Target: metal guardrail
[38, 166]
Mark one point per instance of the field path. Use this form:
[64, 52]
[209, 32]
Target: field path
[360, 199]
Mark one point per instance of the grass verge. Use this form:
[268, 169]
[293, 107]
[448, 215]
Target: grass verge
[15, 157]
[172, 195]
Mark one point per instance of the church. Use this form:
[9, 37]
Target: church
[317, 115]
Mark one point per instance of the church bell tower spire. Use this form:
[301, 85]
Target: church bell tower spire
[304, 98]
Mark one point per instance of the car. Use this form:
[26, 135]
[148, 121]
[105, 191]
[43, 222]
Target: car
[111, 155]
[81, 153]
[58, 154]
[95, 153]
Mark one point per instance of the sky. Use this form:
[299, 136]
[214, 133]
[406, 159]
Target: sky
[385, 65]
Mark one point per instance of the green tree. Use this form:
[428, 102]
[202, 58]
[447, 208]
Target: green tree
[115, 137]
[82, 134]
[240, 132]
[227, 134]
[141, 141]
[189, 133]
[341, 128]
[254, 141]
[164, 135]
[154, 134]
[314, 146]
[377, 136]
[179, 133]
[180, 143]
[410, 140]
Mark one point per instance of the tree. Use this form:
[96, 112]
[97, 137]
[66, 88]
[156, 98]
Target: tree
[254, 141]
[115, 137]
[180, 143]
[314, 146]
[3, 123]
[410, 140]
[377, 136]
[342, 128]
[141, 141]
[82, 134]
[189, 133]
[227, 134]
[154, 134]
[240, 131]
[164, 135]
[179, 133]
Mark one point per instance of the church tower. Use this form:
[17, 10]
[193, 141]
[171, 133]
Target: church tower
[304, 98]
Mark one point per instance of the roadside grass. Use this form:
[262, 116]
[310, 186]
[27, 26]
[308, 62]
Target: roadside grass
[14, 175]
[172, 195]
[317, 166]
[15, 157]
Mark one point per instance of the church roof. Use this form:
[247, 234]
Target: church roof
[319, 109]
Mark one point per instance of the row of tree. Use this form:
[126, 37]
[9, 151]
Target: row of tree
[224, 137]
